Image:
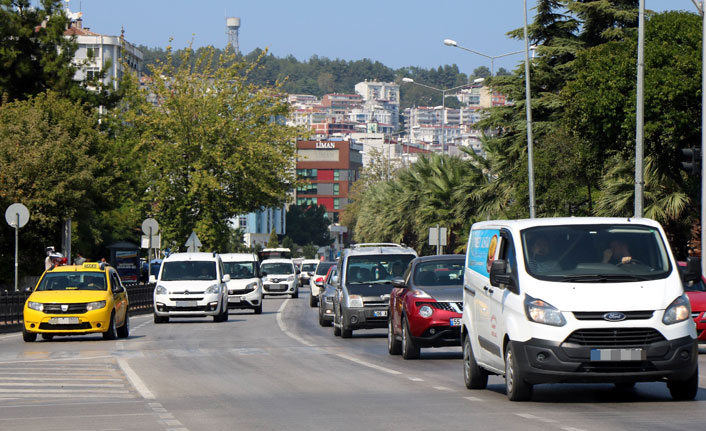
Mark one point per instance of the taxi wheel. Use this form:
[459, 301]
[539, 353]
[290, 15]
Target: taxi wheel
[124, 331]
[409, 349]
[111, 333]
[28, 336]
[47, 337]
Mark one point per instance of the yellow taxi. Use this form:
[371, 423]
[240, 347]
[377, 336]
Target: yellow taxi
[77, 299]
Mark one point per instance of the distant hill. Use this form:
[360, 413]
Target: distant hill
[321, 75]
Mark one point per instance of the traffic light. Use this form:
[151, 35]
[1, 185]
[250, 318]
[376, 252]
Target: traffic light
[691, 160]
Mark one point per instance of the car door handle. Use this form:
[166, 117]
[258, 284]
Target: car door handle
[470, 291]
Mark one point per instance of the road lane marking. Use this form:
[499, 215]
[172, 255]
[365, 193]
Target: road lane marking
[24, 418]
[368, 364]
[474, 399]
[283, 326]
[415, 379]
[537, 418]
[443, 388]
[135, 380]
[76, 358]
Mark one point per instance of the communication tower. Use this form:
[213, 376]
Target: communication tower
[232, 26]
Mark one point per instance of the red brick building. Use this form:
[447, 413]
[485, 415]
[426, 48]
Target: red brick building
[328, 167]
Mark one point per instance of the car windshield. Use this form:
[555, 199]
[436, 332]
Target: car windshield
[595, 253]
[189, 270]
[239, 270]
[278, 268]
[323, 267]
[376, 269]
[439, 273]
[309, 267]
[73, 281]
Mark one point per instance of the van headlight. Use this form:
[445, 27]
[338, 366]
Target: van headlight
[95, 305]
[355, 301]
[542, 312]
[160, 290]
[38, 306]
[213, 290]
[678, 311]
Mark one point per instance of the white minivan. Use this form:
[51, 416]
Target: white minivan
[579, 300]
[245, 285]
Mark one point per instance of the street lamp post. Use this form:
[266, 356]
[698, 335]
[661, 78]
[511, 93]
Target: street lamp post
[443, 105]
[451, 42]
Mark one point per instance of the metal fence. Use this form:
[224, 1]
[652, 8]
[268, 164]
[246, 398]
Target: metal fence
[12, 303]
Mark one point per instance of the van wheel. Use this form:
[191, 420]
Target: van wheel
[336, 326]
[258, 309]
[312, 301]
[515, 385]
[124, 331]
[473, 376]
[111, 333]
[409, 349]
[296, 293]
[394, 346]
[28, 336]
[345, 332]
[47, 337]
[685, 389]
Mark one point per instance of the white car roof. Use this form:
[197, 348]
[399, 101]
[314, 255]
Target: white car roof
[519, 225]
[310, 261]
[239, 257]
[277, 261]
[191, 257]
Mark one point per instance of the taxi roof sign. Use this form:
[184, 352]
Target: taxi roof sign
[91, 265]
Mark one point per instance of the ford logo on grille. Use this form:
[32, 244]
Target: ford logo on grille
[614, 317]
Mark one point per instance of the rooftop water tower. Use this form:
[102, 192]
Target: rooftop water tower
[233, 25]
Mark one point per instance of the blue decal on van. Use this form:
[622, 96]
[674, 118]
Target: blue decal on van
[482, 248]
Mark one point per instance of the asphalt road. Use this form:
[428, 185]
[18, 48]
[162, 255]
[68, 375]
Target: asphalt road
[280, 370]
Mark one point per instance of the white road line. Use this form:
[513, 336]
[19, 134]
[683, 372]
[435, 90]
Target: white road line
[135, 380]
[474, 399]
[443, 388]
[368, 364]
[415, 379]
[74, 416]
[51, 379]
[283, 326]
[16, 391]
[537, 418]
[64, 385]
[13, 335]
[77, 358]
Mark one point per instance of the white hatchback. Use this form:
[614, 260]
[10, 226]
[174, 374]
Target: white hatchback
[279, 277]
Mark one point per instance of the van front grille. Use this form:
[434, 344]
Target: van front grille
[615, 337]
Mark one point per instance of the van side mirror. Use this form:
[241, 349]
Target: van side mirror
[263, 274]
[153, 279]
[499, 277]
[226, 278]
[693, 268]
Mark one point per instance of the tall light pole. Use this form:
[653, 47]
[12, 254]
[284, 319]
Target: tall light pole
[443, 105]
[700, 7]
[451, 42]
[528, 109]
[640, 114]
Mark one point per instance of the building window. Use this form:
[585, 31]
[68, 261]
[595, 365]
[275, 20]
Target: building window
[336, 175]
[306, 201]
[307, 174]
[307, 189]
[336, 203]
[243, 222]
[336, 188]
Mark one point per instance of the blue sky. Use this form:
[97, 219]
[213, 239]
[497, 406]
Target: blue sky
[395, 32]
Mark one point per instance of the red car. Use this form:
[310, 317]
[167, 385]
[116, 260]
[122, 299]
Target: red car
[426, 307]
[695, 288]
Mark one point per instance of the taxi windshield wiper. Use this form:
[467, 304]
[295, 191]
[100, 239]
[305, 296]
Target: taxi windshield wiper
[603, 278]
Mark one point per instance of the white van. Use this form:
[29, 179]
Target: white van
[575, 300]
[245, 285]
[191, 285]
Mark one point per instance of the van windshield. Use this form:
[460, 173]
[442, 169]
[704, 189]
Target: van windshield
[239, 270]
[376, 269]
[189, 270]
[595, 253]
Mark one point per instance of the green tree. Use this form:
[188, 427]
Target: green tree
[310, 250]
[53, 160]
[480, 72]
[308, 224]
[273, 242]
[214, 145]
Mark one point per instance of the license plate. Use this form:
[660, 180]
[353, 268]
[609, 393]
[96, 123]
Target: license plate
[186, 303]
[382, 313]
[278, 287]
[234, 299]
[456, 321]
[63, 320]
[618, 355]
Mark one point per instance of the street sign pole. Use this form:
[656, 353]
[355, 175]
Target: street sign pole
[438, 240]
[17, 247]
[149, 256]
[17, 215]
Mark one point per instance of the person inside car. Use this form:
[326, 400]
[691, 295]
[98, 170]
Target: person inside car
[617, 253]
[540, 259]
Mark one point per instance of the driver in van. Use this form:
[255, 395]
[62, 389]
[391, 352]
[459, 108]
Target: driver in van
[540, 259]
[617, 253]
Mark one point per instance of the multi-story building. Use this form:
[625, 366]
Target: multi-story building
[99, 53]
[258, 225]
[344, 101]
[328, 168]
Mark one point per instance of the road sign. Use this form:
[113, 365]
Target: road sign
[193, 243]
[15, 213]
[148, 224]
[156, 241]
[437, 236]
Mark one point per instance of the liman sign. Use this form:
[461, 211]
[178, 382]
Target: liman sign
[325, 145]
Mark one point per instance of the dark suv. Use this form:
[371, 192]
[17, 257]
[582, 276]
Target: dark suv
[362, 296]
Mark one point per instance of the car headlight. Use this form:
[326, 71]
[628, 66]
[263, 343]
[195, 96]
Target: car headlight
[212, 290]
[418, 293]
[252, 285]
[160, 290]
[355, 301]
[425, 311]
[38, 306]
[290, 278]
[678, 311]
[95, 305]
[542, 312]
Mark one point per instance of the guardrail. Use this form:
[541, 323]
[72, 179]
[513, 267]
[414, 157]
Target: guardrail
[140, 297]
